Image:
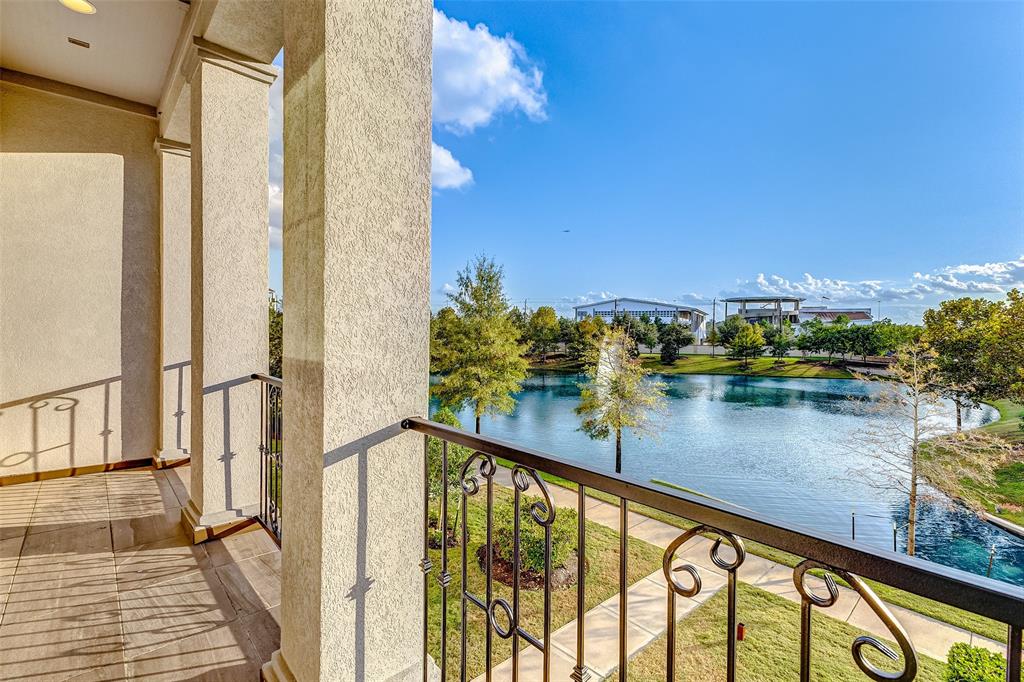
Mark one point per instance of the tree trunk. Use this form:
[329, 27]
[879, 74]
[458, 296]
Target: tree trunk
[959, 416]
[618, 451]
[478, 423]
[915, 451]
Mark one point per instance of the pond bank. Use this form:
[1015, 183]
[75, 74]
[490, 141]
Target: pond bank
[803, 368]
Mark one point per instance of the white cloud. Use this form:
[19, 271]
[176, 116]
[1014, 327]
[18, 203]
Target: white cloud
[478, 75]
[445, 170]
[275, 200]
[910, 297]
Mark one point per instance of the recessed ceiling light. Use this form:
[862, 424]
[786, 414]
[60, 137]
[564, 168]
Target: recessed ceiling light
[80, 6]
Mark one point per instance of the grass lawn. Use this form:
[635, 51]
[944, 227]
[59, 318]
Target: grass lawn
[937, 610]
[602, 582]
[1008, 491]
[813, 368]
[770, 651]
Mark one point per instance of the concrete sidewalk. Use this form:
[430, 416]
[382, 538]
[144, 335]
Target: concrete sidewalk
[647, 600]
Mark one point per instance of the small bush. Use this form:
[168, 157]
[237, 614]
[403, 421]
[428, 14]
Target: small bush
[968, 663]
[531, 535]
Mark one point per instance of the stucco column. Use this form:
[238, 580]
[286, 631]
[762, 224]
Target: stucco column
[175, 302]
[230, 145]
[357, 317]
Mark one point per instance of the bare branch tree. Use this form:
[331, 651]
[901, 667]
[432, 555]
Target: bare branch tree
[908, 442]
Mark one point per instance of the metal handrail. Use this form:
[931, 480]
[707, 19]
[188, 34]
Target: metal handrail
[977, 594]
[271, 452]
[266, 378]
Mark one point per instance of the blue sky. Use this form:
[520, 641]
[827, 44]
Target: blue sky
[683, 151]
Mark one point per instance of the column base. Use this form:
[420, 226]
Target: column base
[276, 669]
[202, 527]
[168, 459]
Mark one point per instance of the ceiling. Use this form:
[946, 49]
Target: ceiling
[131, 43]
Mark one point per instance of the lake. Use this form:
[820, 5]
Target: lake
[782, 447]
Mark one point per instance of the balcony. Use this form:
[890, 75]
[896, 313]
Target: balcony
[146, 476]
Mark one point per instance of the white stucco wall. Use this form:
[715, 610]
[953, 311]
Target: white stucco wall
[79, 283]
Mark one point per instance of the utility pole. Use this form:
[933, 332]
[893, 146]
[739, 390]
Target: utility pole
[714, 319]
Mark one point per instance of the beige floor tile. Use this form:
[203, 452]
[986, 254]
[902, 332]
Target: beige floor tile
[264, 631]
[180, 479]
[156, 616]
[16, 505]
[129, 531]
[249, 543]
[68, 503]
[222, 654]
[68, 566]
[150, 564]
[254, 584]
[61, 638]
[10, 552]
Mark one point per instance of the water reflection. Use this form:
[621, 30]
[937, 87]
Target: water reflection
[779, 446]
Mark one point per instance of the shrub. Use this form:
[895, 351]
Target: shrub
[968, 663]
[531, 534]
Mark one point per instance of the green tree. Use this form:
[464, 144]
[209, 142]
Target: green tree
[1003, 350]
[484, 363]
[276, 310]
[747, 343]
[617, 395]
[542, 330]
[811, 338]
[585, 336]
[781, 341]
[865, 340]
[713, 339]
[728, 328]
[957, 331]
[520, 319]
[673, 337]
[445, 328]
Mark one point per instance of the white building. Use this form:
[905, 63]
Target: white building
[694, 318]
[779, 309]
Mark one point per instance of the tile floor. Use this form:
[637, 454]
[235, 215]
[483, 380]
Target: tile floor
[97, 582]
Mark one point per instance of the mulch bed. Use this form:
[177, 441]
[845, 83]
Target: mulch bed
[562, 577]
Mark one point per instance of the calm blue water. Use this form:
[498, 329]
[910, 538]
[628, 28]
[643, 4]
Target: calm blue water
[778, 446]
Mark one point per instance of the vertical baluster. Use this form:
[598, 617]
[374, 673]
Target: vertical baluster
[516, 572]
[444, 578]
[263, 453]
[579, 672]
[670, 663]
[1013, 654]
[730, 661]
[805, 640]
[425, 563]
[547, 603]
[623, 579]
[465, 601]
[488, 638]
[277, 443]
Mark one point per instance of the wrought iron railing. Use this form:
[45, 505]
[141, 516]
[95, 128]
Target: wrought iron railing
[823, 553]
[271, 453]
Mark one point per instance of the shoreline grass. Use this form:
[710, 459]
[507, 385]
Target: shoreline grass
[799, 368]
